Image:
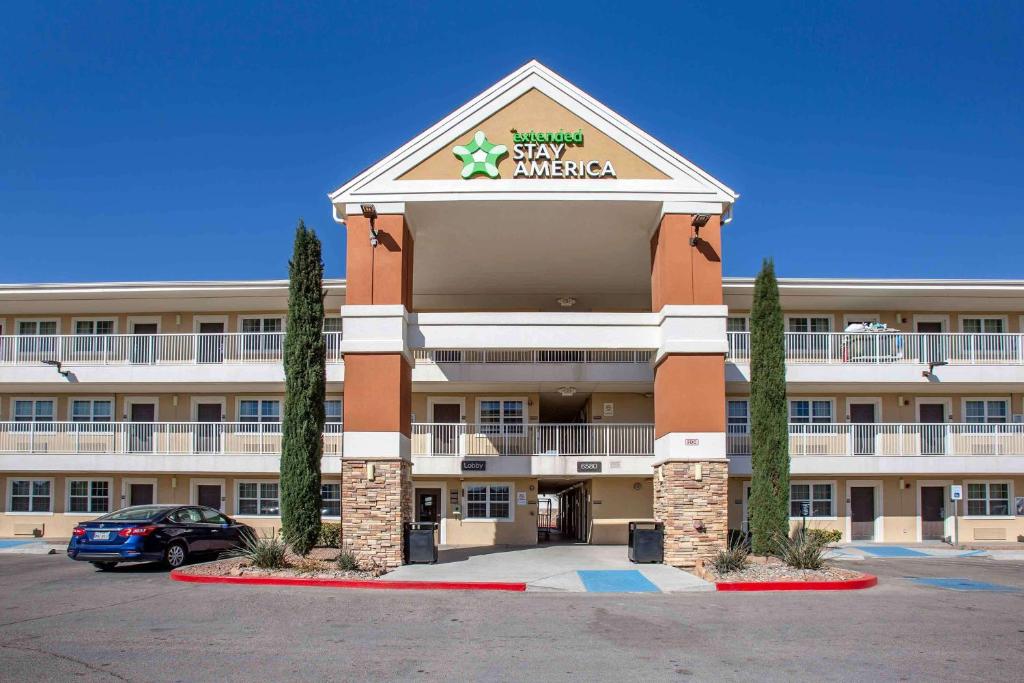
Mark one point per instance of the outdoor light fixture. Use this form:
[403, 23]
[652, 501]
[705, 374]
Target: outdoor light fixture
[567, 391]
[698, 222]
[930, 372]
[567, 302]
[56, 364]
[370, 212]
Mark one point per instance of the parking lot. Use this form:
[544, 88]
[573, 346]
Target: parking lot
[61, 620]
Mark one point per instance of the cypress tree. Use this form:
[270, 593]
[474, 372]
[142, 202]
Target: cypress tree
[305, 367]
[769, 429]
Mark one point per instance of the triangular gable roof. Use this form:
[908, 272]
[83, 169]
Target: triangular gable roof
[673, 178]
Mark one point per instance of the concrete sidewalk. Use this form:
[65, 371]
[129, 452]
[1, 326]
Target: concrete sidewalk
[31, 546]
[862, 551]
[555, 568]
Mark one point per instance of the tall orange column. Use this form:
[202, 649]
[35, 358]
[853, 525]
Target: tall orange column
[376, 498]
[691, 471]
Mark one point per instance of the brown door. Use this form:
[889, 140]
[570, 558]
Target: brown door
[862, 415]
[862, 513]
[208, 495]
[140, 494]
[446, 434]
[933, 428]
[208, 431]
[210, 347]
[428, 509]
[933, 513]
[933, 348]
[140, 431]
[143, 346]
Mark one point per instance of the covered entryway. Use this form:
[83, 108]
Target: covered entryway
[570, 508]
[428, 509]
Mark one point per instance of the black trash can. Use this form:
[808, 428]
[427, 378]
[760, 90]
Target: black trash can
[419, 543]
[646, 542]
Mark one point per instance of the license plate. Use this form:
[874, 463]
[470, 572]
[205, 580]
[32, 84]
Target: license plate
[101, 535]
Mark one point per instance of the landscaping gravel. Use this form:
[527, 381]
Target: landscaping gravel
[780, 572]
[319, 564]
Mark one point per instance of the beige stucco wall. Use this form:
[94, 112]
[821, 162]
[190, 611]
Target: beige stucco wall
[520, 530]
[614, 503]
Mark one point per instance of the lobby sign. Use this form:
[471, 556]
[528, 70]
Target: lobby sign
[545, 154]
[474, 465]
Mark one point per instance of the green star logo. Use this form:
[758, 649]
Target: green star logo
[480, 156]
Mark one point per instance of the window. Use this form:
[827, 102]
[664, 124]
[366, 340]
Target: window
[738, 417]
[30, 327]
[808, 412]
[262, 411]
[489, 501]
[986, 499]
[332, 411]
[259, 498]
[502, 416]
[255, 325]
[91, 410]
[332, 324]
[983, 325]
[810, 500]
[262, 335]
[810, 324]
[89, 495]
[33, 410]
[94, 327]
[735, 324]
[30, 495]
[332, 328]
[330, 498]
[981, 411]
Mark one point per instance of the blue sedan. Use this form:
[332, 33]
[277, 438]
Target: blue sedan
[172, 534]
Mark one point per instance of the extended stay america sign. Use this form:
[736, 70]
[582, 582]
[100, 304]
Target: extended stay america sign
[536, 155]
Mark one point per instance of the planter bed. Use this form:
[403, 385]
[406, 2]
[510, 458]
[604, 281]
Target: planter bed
[770, 574]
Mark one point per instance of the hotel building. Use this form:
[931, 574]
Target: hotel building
[561, 330]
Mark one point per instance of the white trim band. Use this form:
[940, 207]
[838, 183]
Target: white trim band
[376, 446]
[689, 447]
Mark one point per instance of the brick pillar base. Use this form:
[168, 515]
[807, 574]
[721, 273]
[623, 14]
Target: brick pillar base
[374, 513]
[695, 513]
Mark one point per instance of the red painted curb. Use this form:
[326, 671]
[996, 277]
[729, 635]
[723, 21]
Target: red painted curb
[353, 583]
[866, 581]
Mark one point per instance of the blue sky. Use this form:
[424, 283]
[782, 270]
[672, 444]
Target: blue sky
[183, 140]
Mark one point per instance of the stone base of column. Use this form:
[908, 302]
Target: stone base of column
[692, 500]
[374, 511]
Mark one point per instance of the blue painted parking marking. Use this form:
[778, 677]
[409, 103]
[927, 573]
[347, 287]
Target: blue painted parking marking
[616, 581]
[5, 543]
[964, 585]
[890, 551]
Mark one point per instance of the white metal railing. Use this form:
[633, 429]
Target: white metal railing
[161, 438]
[432, 438]
[892, 347]
[152, 349]
[894, 439]
[533, 355]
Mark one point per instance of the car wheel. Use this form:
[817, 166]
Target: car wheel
[176, 555]
[104, 566]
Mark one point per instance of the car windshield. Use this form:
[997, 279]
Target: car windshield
[143, 513]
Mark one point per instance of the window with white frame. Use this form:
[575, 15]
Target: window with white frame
[33, 410]
[264, 414]
[89, 495]
[257, 325]
[806, 411]
[735, 324]
[988, 499]
[809, 324]
[333, 411]
[983, 325]
[30, 495]
[94, 327]
[489, 501]
[332, 324]
[33, 327]
[330, 500]
[738, 416]
[92, 410]
[502, 416]
[984, 411]
[258, 498]
[332, 328]
[260, 335]
[810, 500]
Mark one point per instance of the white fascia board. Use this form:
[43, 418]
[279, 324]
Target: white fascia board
[530, 466]
[375, 329]
[906, 465]
[152, 463]
[689, 447]
[376, 446]
[685, 178]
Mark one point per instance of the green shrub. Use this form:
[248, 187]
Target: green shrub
[800, 551]
[825, 536]
[330, 535]
[347, 562]
[732, 559]
[263, 552]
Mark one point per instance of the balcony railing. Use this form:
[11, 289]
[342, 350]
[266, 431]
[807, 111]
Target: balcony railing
[892, 347]
[159, 438]
[507, 356]
[153, 349]
[532, 439]
[911, 439]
